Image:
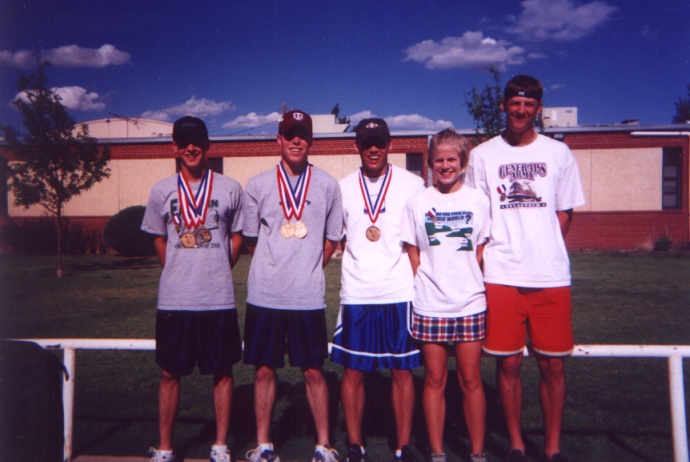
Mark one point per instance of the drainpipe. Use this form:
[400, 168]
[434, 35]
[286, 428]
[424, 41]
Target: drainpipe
[668, 134]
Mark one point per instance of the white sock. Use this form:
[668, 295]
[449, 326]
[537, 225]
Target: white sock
[265, 446]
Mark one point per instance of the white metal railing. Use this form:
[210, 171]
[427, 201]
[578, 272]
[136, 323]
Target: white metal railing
[673, 353]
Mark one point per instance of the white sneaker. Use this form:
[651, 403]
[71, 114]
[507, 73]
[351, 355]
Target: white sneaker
[161, 456]
[326, 455]
[267, 455]
[220, 454]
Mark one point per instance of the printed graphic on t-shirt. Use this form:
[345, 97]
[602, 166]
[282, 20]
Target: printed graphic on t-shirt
[449, 228]
[520, 192]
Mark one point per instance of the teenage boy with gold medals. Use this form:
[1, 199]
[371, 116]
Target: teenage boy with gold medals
[196, 217]
[286, 287]
[377, 287]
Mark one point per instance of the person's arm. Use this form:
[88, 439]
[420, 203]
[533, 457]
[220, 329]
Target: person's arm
[235, 248]
[565, 218]
[160, 243]
[328, 250]
[413, 255]
[480, 255]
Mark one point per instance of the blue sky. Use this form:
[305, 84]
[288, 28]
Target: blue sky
[411, 62]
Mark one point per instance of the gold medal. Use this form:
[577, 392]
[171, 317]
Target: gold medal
[373, 233]
[287, 230]
[188, 240]
[300, 230]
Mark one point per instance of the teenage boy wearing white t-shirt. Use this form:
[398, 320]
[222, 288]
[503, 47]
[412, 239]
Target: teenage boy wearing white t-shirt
[533, 184]
[377, 287]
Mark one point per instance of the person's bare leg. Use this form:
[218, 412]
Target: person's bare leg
[402, 398]
[509, 387]
[222, 400]
[433, 397]
[168, 399]
[264, 399]
[353, 396]
[468, 359]
[552, 392]
[317, 396]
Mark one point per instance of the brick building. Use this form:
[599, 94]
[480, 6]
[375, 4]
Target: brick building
[636, 178]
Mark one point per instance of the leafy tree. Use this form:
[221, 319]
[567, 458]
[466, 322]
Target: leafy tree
[485, 108]
[336, 112]
[682, 110]
[54, 164]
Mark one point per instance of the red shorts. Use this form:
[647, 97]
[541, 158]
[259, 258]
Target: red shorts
[515, 311]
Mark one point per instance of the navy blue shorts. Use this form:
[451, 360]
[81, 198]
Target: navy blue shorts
[269, 332]
[369, 337]
[209, 339]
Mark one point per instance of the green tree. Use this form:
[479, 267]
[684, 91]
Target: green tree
[54, 164]
[682, 110]
[485, 108]
[336, 112]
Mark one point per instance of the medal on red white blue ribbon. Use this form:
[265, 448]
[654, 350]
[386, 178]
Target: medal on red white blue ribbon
[293, 200]
[193, 207]
[373, 233]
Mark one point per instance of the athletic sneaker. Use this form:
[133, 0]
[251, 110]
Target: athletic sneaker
[406, 455]
[160, 456]
[515, 455]
[267, 455]
[438, 457]
[327, 455]
[220, 454]
[356, 453]
[477, 457]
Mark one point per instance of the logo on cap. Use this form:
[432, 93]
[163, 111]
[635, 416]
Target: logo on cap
[372, 125]
[298, 116]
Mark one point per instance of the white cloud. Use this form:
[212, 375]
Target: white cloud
[557, 86]
[66, 56]
[21, 59]
[416, 122]
[203, 107]
[74, 97]
[472, 50]
[559, 20]
[253, 120]
[403, 121]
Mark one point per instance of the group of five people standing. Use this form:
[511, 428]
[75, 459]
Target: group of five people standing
[419, 268]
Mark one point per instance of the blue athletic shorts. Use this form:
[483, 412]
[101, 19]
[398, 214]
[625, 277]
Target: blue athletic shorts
[209, 339]
[369, 337]
[269, 332]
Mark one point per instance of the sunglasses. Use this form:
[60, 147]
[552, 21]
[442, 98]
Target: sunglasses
[367, 144]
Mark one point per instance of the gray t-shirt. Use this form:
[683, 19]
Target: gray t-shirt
[287, 273]
[197, 275]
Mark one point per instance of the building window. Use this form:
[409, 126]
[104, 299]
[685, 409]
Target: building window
[214, 163]
[414, 163]
[671, 179]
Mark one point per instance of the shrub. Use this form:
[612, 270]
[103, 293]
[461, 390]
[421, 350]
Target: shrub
[123, 233]
[663, 243]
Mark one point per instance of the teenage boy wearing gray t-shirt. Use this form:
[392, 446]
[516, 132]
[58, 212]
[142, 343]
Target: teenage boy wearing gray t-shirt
[196, 218]
[292, 225]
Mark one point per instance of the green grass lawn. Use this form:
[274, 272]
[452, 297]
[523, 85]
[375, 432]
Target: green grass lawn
[617, 410]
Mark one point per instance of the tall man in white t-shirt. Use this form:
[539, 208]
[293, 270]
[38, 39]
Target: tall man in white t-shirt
[377, 287]
[533, 184]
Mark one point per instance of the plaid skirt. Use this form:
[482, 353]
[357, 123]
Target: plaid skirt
[469, 328]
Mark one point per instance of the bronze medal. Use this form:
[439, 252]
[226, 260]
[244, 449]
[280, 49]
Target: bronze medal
[300, 230]
[287, 230]
[373, 233]
[202, 235]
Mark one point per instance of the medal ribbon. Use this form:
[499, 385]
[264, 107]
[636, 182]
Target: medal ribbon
[373, 210]
[293, 200]
[194, 207]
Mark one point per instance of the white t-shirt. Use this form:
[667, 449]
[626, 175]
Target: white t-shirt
[447, 229]
[527, 185]
[376, 272]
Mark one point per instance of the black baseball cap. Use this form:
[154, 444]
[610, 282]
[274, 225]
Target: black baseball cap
[190, 130]
[373, 129]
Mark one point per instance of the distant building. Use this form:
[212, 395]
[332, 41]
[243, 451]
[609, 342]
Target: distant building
[125, 127]
[327, 123]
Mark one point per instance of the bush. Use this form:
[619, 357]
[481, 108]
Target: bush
[663, 243]
[123, 233]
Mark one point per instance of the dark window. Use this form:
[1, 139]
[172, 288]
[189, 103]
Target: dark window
[671, 179]
[414, 163]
